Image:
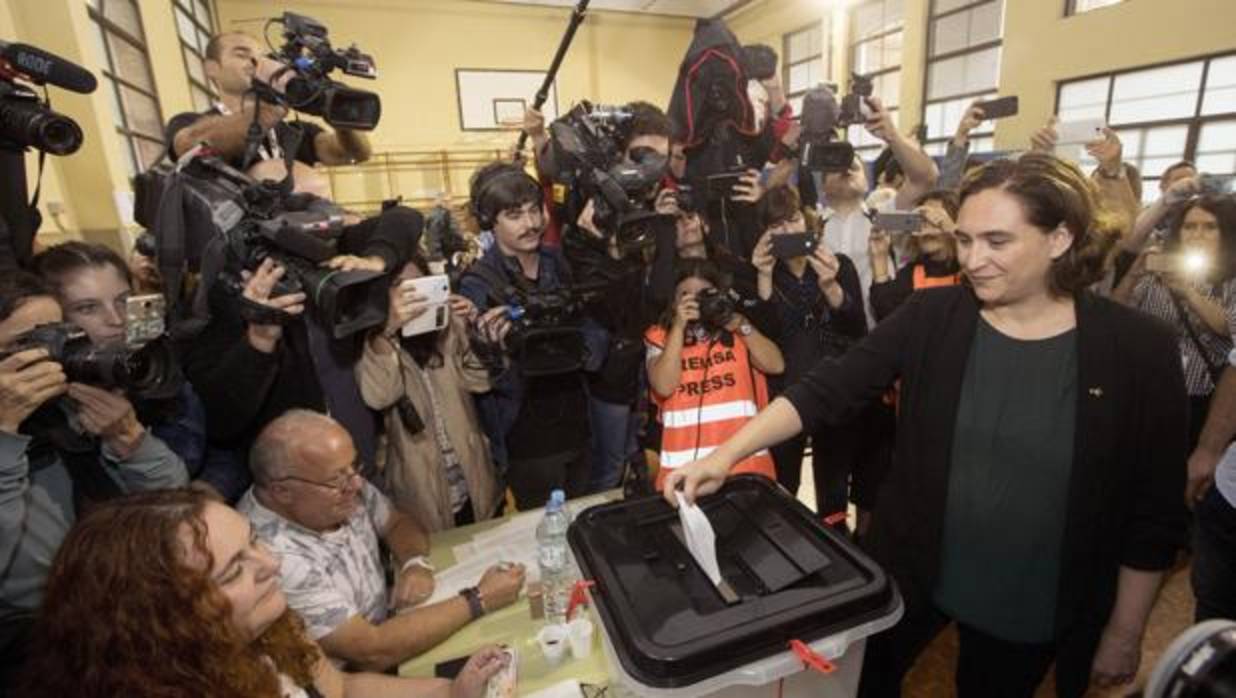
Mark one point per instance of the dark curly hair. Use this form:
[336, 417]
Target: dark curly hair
[1054, 193]
[125, 614]
[1223, 208]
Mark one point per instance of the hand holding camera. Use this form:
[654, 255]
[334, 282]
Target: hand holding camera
[762, 256]
[110, 416]
[494, 325]
[27, 380]
[748, 188]
[880, 121]
[1108, 152]
[258, 287]
[405, 306]
[686, 312]
[826, 266]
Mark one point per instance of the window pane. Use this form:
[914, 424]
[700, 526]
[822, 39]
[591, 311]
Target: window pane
[1084, 99]
[888, 88]
[815, 40]
[946, 77]
[203, 40]
[1088, 5]
[142, 111]
[203, 13]
[1168, 140]
[892, 50]
[130, 62]
[986, 23]
[1216, 148]
[148, 152]
[867, 57]
[124, 14]
[1220, 87]
[982, 145]
[982, 69]
[799, 77]
[942, 6]
[950, 33]
[797, 49]
[194, 66]
[936, 149]
[185, 27]
[868, 19]
[815, 72]
[796, 103]
[1156, 94]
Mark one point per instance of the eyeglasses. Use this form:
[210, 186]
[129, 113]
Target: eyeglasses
[338, 485]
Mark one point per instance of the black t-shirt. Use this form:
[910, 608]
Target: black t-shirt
[283, 134]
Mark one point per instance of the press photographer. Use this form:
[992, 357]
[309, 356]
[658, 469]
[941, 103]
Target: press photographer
[616, 162]
[29, 122]
[68, 438]
[536, 415]
[256, 91]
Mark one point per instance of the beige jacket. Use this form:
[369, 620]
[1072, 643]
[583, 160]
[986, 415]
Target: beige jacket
[415, 477]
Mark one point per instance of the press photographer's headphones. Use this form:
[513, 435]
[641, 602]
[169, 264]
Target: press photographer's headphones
[485, 184]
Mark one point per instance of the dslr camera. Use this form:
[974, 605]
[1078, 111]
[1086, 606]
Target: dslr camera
[588, 157]
[716, 308]
[299, 232]
[854, 109]
[143, 365]
[307, 52]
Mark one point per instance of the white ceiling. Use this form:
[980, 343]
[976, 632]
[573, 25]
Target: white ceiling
[680, 8]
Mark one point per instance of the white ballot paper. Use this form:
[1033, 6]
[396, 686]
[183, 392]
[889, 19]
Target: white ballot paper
[701, 541]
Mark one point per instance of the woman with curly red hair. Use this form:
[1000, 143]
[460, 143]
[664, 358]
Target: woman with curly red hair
[169, 594]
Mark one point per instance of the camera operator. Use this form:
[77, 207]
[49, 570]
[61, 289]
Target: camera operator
[92, 285]
[625, 308]
[538, 426]
[706, 371]
[1190, 282]
[57, 455]
[233, 61]
[1211, 494]
[848, 228]
[818, 300]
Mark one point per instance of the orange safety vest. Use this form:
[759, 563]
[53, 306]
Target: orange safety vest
[921, 281]
[718, 392]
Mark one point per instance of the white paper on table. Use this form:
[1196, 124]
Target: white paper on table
[701, 540]
[565, 689]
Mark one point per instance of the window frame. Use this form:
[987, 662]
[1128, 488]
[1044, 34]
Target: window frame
[1070, 8]
[95, 10]
[189, 8]
[869, 151]
[826, 55]
[932, 18]
[1194, 123]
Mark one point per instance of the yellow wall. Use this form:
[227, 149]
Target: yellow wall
[418, 44]
[1041, 46]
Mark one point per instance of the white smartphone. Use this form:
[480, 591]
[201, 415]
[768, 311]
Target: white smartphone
[1079, 132]
[437, 290]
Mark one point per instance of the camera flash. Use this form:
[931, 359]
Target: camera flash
[1195, 263]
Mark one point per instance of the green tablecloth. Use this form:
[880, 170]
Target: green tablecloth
[512, 626]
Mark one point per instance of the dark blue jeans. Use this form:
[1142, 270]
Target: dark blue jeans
[1214, 557]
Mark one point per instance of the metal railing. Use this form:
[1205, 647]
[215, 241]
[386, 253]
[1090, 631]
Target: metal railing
[419, 176]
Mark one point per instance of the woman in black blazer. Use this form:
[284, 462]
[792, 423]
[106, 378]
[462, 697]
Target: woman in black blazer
[1035, 494]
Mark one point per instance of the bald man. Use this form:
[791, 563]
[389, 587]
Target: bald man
[309, 505]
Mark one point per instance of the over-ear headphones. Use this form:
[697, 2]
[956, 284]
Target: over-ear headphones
[484, 184]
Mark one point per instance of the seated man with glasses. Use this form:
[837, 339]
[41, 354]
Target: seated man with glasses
[311, 507]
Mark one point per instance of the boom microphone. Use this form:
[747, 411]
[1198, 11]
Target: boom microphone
[42, 67]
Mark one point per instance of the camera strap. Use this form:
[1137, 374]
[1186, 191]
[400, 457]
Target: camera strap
[1215, 371]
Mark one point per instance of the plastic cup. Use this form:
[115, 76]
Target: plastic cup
[553, 640]
[579, 632]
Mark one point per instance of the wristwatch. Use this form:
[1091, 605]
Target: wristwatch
[473, 596]
[745, 329]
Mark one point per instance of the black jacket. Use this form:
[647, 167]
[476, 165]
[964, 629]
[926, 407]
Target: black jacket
[1128, 477]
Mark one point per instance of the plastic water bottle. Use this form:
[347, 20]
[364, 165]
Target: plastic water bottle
[553, 558]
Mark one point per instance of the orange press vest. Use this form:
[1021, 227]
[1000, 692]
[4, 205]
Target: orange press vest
[718, 392]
